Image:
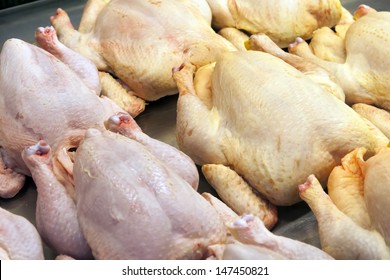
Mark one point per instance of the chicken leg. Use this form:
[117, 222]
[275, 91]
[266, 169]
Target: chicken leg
[339, 235]
[55, 211]
[177, 160]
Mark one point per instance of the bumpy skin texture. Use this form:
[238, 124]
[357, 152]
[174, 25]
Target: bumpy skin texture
[19, 239]
[182, 164]
[150, 39]
[272, 134]
[133, 206]
[55, 213]
[35, 88]
[282, 20]
[238, 195]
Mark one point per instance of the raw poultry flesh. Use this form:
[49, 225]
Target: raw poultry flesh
[365, 74]
[131, 205]
[52, 169]
[182, 164]
[282, 20]
[352, 219]
[271, 134]
[140, 41]
[36, 87]
[100, 83]
[379, 117]
[19, 239]
[55, 213]
[248, 238]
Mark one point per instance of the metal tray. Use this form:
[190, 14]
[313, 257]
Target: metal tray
[158, 120]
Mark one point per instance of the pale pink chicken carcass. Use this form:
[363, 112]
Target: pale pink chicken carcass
[56, 210]
[100, 83]
[19, 239]
[273, 134]
[55, 213]
[140, 41]
[131, 205]
[124, 124]
[43, 98]
[282, 20]
[365, 74]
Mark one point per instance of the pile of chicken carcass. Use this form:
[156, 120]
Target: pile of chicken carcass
[277, 103]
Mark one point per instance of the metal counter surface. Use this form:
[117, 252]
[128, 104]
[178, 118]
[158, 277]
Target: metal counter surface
[158, 120]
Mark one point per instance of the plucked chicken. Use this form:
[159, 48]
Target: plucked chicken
[281, 20]
[352, 219]
[140, 41]
[260, 128]
[55, 213]
[132, 205]
[183, 165]
[365, 74]
[37, 87]
[19, 239]
[328, 43]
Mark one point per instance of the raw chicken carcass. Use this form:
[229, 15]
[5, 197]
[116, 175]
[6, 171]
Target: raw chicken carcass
[131, 205]
[346, 232]
[282, 20]
[55, 213]
[19, 239]
[183, 165]
[36, 87]
[47, 39]
[365, 74]
[328, 44]
[267, 121]
[140, 41]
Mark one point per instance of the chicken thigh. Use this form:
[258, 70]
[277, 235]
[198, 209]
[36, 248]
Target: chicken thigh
[273, 134]
[19, 239]
[282, 20]
[55, 212]
[183, 165]
[352, 218]
[140, 41]
[131, 205]
[248, 238]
